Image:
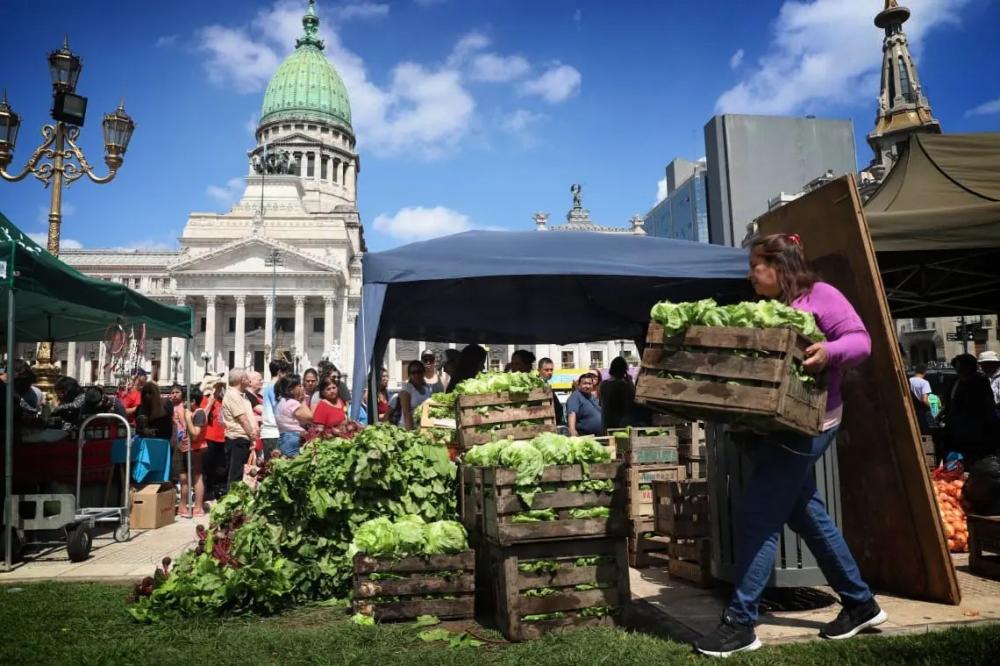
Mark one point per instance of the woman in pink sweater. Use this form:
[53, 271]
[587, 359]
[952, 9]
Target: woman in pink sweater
[782, 488]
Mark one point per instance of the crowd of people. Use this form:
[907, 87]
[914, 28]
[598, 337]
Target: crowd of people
[966, 418]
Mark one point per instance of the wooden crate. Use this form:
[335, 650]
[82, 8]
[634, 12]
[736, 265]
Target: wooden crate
[690, 560]
[696, 468]
[501, 502]
[640, 501]
[646, 446]
[984, 538]
[422, 576]
[492, 416]
[645, 551]
[776, 399]
[427, 421]
[513, 602]
[681, 509]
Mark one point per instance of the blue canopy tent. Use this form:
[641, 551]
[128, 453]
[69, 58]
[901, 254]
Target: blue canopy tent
[531, 287]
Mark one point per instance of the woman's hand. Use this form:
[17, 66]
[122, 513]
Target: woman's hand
[817, 359]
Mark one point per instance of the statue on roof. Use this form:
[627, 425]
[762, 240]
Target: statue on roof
[575, 190]
[274, 163]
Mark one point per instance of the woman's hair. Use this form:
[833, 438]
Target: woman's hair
[177, 387]
[283, 389]
[69, 387]
[194, 391]
[783, 252]
[311, 371]
[413, 366]
[618, 368]
[151, 402]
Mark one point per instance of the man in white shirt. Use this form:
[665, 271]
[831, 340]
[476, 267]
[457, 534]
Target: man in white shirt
[921, 390]
[268, 427]
[989, 361]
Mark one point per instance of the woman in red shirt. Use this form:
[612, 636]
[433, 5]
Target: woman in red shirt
[216, 468]
[331, 410]
[189, 435]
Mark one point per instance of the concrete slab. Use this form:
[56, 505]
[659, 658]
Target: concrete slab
[687, 612]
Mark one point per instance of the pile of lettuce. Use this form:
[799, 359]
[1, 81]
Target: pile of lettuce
[408, 536]
[530, 457]
[497, 382]
[288, 543]
[677, 317]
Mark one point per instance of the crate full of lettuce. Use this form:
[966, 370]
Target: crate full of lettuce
[556, 585]
[503, 405]
[408, 567]
[551, 487]
[738, 364]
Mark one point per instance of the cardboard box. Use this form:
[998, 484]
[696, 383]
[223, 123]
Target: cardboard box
[153, 506]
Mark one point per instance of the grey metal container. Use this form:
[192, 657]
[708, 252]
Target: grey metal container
[728, 472]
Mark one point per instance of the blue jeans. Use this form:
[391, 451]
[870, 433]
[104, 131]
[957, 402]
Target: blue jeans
[782, 489]
[288, 443]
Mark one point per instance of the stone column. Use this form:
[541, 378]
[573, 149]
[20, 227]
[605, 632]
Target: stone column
[582, 357]
[240, 359]
[268, 335]
[101, 360]
[71, 359]
[300, 326]
[327, 324]
[342, 333]
[165, 358]
[178, 345]
[392, 364]
[349, 184]
[210, 330]
[83, 371]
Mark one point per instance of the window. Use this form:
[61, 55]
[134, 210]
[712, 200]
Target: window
[231, 355]
[311, 165]
[567, 360]
[232, 324]
[323, 167]
[298, 126]
[319, 324]
[920, 324]
[255, 323]
[494, 365]
[596, 358]
[298, 164]
[311, 128]
[336, 168]
[286, 324]
[202, 325]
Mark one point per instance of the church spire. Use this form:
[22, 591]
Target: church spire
[903, 108]
[310, 25]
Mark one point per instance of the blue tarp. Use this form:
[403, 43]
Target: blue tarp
[532, 287]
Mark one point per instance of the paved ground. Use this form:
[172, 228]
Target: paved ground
[687, 611]
[667, 607]
[109, 561]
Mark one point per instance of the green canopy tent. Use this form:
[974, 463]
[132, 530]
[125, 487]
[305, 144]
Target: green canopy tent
[46, 300]
[935, 222]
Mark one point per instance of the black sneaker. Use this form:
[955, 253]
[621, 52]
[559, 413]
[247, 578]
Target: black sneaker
[852, 620]
[728, 638]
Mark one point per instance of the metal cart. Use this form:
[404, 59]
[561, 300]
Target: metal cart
[54, 519]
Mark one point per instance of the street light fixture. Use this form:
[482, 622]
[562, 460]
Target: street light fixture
[205, 358]
[273, 260]
[176, 358]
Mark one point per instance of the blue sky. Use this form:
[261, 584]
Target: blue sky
[469, 113]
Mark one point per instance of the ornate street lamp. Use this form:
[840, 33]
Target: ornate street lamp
[176, 358]
[205, 358]
[59, 160]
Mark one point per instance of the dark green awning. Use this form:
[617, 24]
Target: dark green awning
[56, 302]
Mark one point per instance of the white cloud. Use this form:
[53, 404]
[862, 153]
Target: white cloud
[661, 189]
[148, 244]
[429, 3]
[166, 40]
[251, 125]
[419, 223]
[468, 44]
[736, 59]
[236, 58]
[557, 84]
[494, 68]
[361, 10]
[520, 120]
[42, 219]
[825, 51]
[229, 193]
[578, 17]
[42, 238]
[985, 109]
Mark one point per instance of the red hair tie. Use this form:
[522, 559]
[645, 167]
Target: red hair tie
[794, 238]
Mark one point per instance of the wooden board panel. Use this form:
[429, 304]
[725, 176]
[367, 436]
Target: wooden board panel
[901, 546]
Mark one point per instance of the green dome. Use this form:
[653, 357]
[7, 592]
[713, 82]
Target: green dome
[306, 86]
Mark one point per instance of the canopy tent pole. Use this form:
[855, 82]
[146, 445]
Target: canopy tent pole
[8, 453]
[188, 363]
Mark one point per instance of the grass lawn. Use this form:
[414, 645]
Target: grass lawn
[82, 623]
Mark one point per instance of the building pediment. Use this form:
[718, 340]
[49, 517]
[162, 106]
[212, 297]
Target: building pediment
[249, 256]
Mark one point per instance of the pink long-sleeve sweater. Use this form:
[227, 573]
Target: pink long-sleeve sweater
[848, 342]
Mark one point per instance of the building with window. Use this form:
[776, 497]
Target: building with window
[683, 214]
[296, 231]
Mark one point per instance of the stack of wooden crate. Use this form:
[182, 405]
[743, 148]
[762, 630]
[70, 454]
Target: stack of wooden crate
[691, 444]
[536, 577]
[682, 523]
[650, 455]
[927, 447]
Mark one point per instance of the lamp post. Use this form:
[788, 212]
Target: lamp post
[205, 358]
[59, 160]
[273, 259]
[176, 358]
